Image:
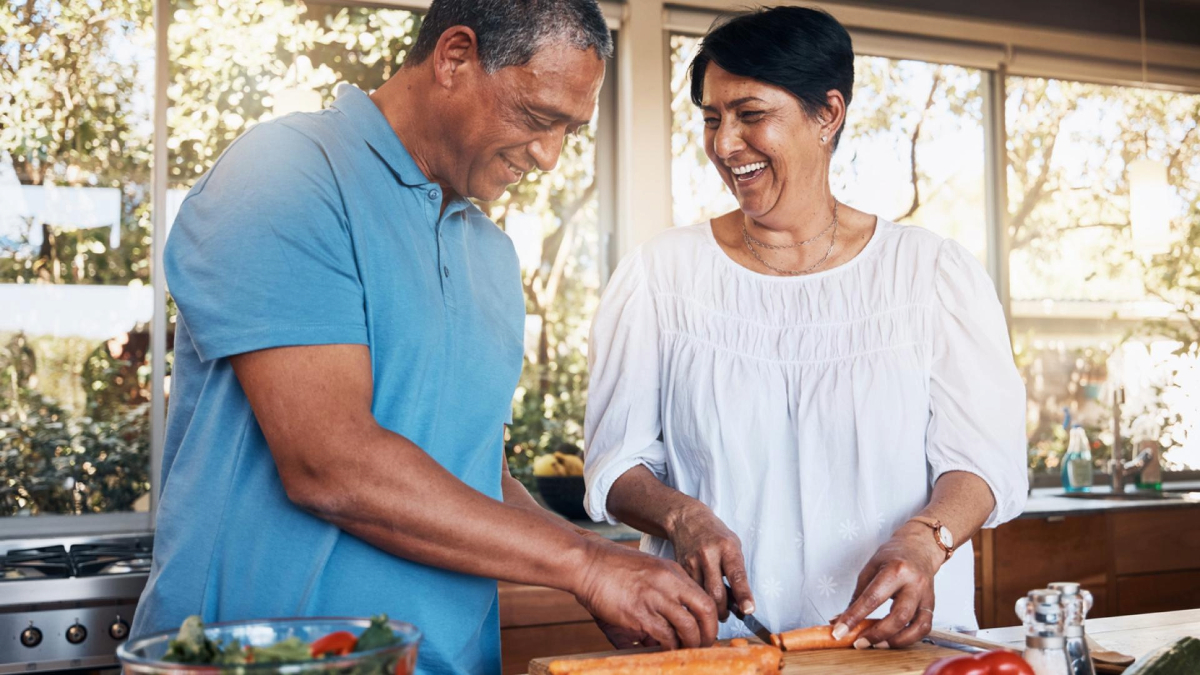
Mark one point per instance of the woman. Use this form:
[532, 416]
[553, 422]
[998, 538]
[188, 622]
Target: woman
[777, 394]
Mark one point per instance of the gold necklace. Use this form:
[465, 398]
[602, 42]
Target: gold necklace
[751, 241]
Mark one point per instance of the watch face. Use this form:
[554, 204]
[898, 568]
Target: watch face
[945, 537]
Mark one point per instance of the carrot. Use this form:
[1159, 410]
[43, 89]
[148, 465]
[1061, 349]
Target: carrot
[739, 642]
[818, 637]
[743, 660]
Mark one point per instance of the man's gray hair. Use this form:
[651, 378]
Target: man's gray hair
[510, 32]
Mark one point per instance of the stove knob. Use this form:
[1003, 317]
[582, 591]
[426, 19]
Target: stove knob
[119, 630]
[31, 637]
[76, 634]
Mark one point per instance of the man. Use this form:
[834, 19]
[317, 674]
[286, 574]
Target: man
[349, 340]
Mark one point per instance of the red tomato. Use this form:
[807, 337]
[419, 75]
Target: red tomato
[999, 662]
[340, 643]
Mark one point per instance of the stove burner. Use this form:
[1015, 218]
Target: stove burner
[127, 566]
[117, 557]
[35, 563]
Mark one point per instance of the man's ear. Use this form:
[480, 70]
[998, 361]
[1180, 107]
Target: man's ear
[457, 51]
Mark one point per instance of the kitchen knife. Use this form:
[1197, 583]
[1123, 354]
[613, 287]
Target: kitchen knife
[747, 619]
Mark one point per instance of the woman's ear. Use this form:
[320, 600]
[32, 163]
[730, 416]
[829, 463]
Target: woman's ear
[833, 117]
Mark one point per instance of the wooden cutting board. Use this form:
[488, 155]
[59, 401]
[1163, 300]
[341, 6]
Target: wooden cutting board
[911, 661]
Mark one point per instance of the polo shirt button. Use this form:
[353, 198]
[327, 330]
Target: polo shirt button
[434, 194]
[446, 271]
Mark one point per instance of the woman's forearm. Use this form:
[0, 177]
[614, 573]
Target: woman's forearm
[639, 499]
[962, 501]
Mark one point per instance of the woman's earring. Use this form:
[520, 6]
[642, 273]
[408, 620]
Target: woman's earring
[824, 138]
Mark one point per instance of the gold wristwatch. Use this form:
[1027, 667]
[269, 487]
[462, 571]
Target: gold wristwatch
[941, 534]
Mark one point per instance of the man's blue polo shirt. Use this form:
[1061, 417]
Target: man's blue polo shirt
[320, 229]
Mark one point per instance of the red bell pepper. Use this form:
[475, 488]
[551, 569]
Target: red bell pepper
[339, 643]
[997, 662]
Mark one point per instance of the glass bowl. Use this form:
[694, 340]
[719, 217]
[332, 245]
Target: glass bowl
[144, 655]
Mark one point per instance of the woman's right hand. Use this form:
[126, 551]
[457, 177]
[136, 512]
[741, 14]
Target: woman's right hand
[711, 553]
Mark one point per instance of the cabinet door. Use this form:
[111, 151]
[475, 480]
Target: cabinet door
[1156, 540]
[1032, 552]
[519, 646]
[1166, 592]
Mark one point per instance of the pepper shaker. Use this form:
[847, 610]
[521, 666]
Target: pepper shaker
[1045, 644]
[1076, 603]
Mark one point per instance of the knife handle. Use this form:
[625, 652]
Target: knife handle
[731, 603]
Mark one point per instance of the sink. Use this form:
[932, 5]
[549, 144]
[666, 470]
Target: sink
[1144, 495]
[1190, 487]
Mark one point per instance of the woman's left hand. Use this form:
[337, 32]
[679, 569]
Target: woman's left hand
[902, 571]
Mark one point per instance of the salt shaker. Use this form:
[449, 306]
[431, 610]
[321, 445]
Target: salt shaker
[1045, 644]
[1076, 603]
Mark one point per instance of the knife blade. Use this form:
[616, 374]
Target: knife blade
[747, 619]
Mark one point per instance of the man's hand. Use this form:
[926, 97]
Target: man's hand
[647, 596]
[625, 638]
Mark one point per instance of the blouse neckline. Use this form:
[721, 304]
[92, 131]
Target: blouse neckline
[742, 269]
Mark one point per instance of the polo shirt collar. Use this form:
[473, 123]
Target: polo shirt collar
[369, 121]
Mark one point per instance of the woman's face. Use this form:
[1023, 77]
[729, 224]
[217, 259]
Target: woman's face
[766, 148]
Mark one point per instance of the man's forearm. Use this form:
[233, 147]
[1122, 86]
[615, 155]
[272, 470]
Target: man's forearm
[516, 495]
[392, 494]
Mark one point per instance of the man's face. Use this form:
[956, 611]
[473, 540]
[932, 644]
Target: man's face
[515, 119]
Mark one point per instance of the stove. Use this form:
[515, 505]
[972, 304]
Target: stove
[67, 603]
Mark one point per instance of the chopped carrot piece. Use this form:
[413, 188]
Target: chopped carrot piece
[818, 637]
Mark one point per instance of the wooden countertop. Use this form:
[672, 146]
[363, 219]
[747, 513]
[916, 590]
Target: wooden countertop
[1134, 635]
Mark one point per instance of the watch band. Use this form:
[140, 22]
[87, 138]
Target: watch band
[935, 526]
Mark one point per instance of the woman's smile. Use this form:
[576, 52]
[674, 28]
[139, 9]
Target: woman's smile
[747, 174]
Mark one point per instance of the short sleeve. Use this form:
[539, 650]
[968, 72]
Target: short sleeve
[260, 255]
[977, 399]
[622, 423]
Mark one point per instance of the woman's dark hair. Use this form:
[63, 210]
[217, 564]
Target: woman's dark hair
[803, 50]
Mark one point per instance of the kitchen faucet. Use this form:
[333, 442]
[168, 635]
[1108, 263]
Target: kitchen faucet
[1118, 469]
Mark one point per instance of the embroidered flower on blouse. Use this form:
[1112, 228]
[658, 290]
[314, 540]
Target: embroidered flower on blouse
[798, 540]
[849, 530]
[771, 587]
[827, 586]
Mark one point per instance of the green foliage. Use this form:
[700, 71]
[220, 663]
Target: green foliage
[55, 462]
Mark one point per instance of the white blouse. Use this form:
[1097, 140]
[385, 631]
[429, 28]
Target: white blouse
[812, 414]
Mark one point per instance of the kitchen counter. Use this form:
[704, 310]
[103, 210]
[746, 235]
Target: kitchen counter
[1134, 635]
[1043, 503]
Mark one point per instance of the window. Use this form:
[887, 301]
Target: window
[76, 103]
[554, 221]
[1079, 289]
[911, 152]
[235, 66]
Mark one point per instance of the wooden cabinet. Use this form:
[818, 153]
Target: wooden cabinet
[1031, 552]
[1143, 593]
[1132, 561]
[538, 621]
[1158, 540]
